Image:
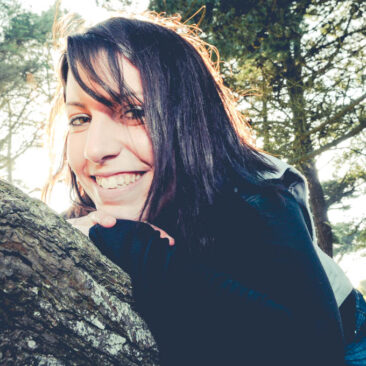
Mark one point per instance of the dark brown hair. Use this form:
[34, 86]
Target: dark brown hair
[200, 141]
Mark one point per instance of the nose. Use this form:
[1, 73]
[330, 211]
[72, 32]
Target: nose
[102, 142]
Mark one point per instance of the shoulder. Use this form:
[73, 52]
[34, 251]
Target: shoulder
[272, 196]
[281, 199]
[272, 214]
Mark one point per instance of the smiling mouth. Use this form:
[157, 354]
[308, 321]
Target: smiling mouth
[118, 180]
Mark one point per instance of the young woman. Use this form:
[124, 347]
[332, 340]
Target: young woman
[215, 235]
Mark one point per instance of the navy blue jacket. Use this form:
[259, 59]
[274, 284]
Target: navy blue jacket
[259, 296]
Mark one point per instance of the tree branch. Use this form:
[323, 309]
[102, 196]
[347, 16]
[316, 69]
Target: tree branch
[333, 119]
[61, 301]
[335, 142]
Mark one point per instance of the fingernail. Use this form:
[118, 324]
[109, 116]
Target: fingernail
[108, 221]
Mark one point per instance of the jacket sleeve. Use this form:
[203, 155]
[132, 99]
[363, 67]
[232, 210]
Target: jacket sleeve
[298, 277]
[200, 314]
[153, 264]
[197, 314]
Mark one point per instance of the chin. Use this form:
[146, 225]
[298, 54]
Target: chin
[125, 213]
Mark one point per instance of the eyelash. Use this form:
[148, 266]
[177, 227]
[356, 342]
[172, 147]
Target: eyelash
[79, 117]
[137, 111]
[138, 114]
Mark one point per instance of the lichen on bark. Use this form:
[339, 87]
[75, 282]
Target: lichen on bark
[61, 301]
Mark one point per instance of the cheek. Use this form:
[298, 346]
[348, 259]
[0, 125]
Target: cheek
[145, 148]
[75, 152]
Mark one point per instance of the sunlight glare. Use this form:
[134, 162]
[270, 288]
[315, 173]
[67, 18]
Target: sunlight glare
[33, 167]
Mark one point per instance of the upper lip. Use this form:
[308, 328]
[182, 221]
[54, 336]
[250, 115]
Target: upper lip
[110, 174]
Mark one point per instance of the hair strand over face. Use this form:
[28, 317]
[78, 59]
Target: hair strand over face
[200, 141]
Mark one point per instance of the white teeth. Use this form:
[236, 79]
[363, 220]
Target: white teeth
[119, 180]
[111, 182]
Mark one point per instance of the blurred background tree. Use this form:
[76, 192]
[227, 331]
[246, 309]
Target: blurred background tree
[305, 60]
[26, 80]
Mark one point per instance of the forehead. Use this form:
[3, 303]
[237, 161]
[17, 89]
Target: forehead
[128, 75]
[131, 76]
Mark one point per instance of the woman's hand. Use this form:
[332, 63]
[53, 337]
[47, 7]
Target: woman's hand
[84, 223]
[163, 234]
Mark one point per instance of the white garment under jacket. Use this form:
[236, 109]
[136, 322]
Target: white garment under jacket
[297, 185]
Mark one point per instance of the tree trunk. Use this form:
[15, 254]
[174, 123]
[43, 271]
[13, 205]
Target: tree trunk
[61, 301]
[318, 208]
[9, 160]
[303, 146]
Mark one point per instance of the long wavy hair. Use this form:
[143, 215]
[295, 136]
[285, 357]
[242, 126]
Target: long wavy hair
[200, 140]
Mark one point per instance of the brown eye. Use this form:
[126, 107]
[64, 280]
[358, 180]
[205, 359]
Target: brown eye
[134, 113]
[79, 120]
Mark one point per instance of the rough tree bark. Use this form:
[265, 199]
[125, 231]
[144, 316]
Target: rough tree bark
[318, 207]
[304, 145]
[61, 301]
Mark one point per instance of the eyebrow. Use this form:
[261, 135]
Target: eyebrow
[76, 104]
[82, 105]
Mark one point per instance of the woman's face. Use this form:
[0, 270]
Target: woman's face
[109, 150]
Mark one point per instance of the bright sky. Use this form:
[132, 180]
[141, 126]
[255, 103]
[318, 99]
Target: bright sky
[86, 8]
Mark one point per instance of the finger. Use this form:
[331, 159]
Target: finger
[93, 217]
[108, 221]
[162, 233]
[103, 219]
[84, 220]
[83, 229]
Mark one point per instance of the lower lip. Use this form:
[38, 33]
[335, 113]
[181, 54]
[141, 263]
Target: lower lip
[107, 194]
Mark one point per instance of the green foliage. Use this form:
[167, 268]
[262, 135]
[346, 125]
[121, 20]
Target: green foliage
[306, 61]
[22, 34]
[25, 79]
[349, 237]
[348, 179]
[114, 5]
[304, 57]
